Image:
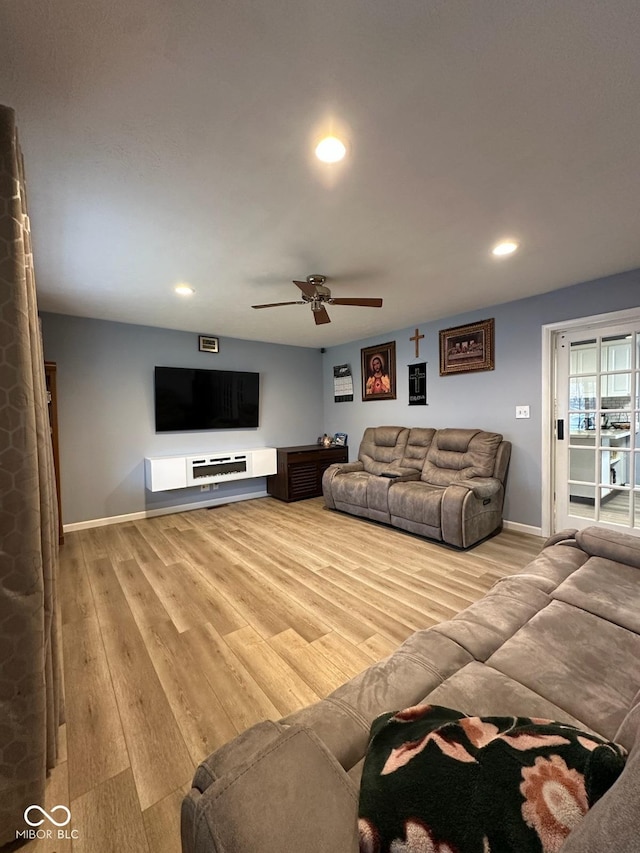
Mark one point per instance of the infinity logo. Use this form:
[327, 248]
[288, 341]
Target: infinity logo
[47, 815]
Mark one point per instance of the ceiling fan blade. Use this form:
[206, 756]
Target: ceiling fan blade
[366, 303]
[321, 316]
[276, 304]
[307, 288]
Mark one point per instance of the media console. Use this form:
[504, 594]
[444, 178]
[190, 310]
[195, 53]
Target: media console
[180, 472]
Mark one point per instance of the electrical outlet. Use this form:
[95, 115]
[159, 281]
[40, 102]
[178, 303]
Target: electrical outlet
[205, 487]
[522, 412]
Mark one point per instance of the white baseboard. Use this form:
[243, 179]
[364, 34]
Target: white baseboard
[165, 510]
[522, 528]
[168, 510]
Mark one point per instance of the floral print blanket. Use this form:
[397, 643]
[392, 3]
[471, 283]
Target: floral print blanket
[438, 781]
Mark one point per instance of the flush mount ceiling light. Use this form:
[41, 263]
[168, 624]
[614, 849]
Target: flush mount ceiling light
[507, 247]
[184, 289]
[330, 150]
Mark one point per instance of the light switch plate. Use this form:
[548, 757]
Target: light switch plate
[522, 412]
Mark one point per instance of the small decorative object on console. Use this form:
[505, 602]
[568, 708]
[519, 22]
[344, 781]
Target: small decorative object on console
[340, 439]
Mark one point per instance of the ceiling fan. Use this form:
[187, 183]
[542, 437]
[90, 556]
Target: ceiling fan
[316, 294]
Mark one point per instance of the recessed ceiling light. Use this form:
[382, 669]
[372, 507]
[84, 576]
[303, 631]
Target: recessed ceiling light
[507, 247]
[330, 150]
[184, 289]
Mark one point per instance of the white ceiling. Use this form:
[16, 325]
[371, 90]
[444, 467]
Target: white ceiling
[172, 141]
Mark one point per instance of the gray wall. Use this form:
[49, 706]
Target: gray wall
[486, 400]
[105, 384]
[106, 418]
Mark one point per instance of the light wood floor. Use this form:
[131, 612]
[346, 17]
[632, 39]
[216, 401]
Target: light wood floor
[181, 631]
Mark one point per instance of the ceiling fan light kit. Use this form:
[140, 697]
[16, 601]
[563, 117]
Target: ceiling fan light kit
[316, 294]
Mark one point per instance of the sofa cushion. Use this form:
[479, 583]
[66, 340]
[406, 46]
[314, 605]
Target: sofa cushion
[478, 689]
[422, 662]
[381, 447]
[418, 443]
[553, 565]
[435, 779]
[483, 626]
[351, 488]
[269, 802]
[579, 661]
[416, 501]
[605, 588]
[456, 455]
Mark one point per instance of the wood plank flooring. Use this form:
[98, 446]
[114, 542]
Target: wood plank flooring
[182, 630]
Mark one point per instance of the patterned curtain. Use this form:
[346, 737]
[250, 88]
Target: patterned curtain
[30, 685]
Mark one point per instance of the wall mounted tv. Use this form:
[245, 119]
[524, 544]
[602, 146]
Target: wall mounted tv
[187, 399]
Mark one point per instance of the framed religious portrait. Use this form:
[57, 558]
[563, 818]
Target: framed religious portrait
[467, 348]
[379, 372]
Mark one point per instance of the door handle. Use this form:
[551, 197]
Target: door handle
[560, 429]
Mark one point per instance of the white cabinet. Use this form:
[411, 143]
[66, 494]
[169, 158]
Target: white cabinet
[180, 472]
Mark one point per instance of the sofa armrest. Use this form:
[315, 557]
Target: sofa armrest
[290, 795]
[345, 467]
[331, 473]
[401, 475]
[470, 514]
[610, 544]
[483, 487]
[568, 535]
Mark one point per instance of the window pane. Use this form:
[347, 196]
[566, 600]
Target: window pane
[619, 467]
[582, 357]
[615, 353]
[582, 392]
[613, 421]
[582, 426]
[615, 390]
[614, 506]
[582, 465]
[582, 501]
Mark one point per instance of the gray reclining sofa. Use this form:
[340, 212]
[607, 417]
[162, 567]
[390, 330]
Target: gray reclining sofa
[559, 640]
[445, 484]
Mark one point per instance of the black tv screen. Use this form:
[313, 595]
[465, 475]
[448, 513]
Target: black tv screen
[187, 399]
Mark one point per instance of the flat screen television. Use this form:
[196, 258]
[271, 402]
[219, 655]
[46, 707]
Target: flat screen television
[192, 399]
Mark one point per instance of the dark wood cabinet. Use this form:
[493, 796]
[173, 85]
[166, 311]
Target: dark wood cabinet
[300, 470]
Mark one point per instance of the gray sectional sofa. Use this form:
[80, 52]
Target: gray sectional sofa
[445, 484]
[558, 640]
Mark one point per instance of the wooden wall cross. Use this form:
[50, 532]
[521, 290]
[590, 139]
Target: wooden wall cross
[417, 338]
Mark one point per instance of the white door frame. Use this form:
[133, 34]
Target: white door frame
[549, 333]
